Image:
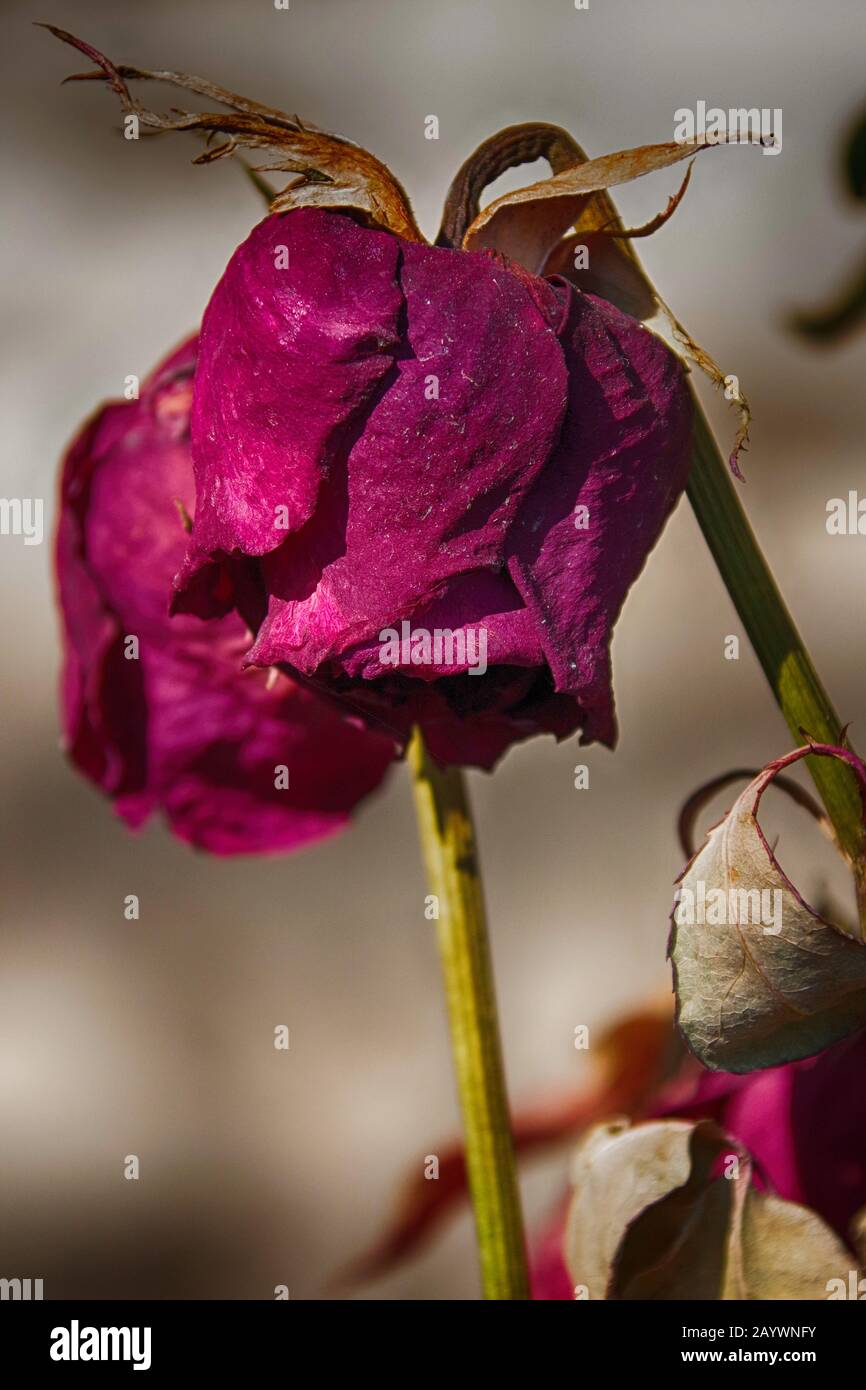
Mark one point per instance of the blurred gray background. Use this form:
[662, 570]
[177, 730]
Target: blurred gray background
[155, 1038]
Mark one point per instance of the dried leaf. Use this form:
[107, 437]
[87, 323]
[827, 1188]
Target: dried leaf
[666, 1210]
[697, 801]
[761, 978]
[331, 171]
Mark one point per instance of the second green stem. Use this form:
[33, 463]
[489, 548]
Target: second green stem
[778, 645]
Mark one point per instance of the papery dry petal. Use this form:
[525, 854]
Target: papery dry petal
[620, 1175]
[667, 1210]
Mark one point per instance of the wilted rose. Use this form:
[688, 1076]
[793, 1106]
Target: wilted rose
[437, 473]
[428, 475]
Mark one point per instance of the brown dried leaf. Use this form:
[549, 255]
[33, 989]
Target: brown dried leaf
[766, 979]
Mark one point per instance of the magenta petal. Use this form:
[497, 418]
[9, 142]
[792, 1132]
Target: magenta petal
[481, 602]
[438, 471]
[549, 1278]
[624, 456]
[297, 336]
[181, 727]
[807, 1123]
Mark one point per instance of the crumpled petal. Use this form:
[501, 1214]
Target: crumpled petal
[624, 455]
[297, 337]
[181, 728]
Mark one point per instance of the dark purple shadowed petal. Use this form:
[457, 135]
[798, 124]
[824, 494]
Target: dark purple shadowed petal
[624, 457]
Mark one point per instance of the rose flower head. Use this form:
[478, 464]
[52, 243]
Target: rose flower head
[157, 711]
[447, 471]
[427, 475]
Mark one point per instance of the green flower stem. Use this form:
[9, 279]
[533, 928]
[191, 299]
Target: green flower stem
[448, 843]
[778, 645]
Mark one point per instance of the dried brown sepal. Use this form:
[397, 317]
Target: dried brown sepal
[655, 223]
[200, 85]
[684, 344]
[527, 223]
[331, 171]
[508, 148]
